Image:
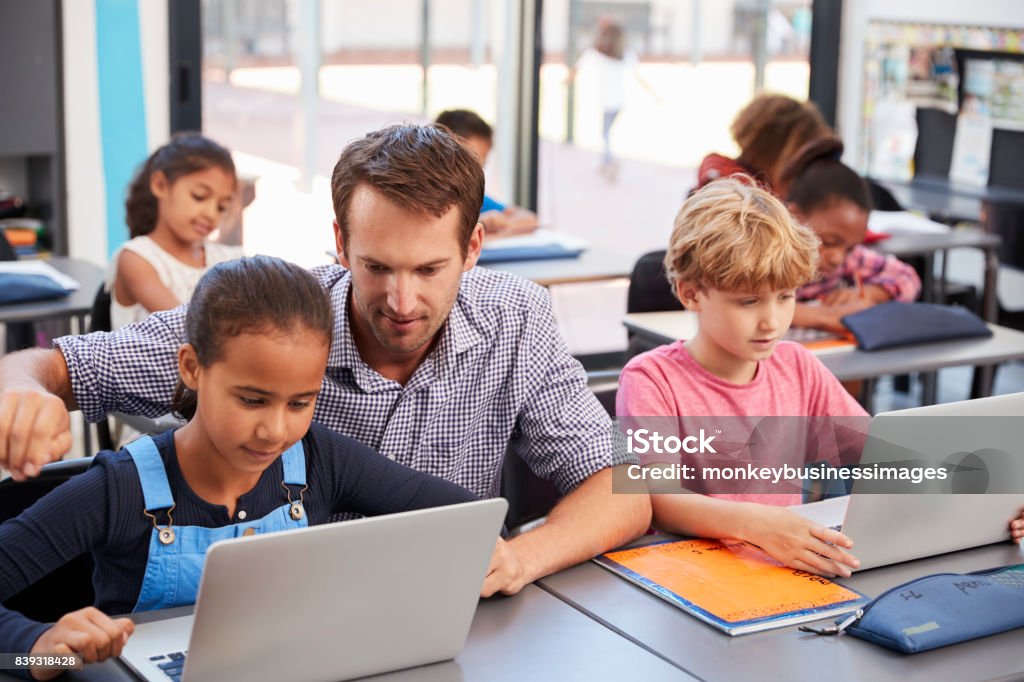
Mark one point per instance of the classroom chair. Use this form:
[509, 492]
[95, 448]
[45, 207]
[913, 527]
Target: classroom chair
[529, 496]
[649, 291]
[69, 588]
[99, 321]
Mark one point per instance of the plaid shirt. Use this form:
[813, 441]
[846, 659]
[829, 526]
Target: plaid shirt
[500, 376]
[888, 272]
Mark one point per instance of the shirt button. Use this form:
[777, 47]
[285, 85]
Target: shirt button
[241, 513]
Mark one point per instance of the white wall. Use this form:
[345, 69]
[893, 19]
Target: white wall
[86, 205]
[856, 15]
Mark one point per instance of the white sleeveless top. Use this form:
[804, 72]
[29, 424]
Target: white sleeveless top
[179, 278]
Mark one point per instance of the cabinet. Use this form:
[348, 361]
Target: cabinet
[31, 111]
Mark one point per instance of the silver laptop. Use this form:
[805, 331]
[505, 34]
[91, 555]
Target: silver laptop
[887, 528]
[329, 602]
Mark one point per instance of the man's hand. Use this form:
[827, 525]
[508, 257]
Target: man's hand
[800, 543]
[35, 429]
[505, 574]
[88, 632]
[1017, 527]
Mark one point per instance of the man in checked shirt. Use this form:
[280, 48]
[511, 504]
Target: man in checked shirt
[434, 362]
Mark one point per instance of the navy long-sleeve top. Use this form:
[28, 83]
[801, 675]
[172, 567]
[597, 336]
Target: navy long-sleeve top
[101, 511]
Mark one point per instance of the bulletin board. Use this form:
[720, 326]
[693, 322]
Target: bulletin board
[963, 84]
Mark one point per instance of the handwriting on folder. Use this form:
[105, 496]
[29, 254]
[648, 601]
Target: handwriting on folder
[733, 581]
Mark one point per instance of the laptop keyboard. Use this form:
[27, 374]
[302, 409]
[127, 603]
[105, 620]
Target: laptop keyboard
[173, 664]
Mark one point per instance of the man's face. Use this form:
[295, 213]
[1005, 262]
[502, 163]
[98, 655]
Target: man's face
[406, 269]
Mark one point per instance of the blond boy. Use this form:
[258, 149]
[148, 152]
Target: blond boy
[735, 258]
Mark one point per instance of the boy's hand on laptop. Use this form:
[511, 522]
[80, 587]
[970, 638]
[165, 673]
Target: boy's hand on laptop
[1017, 527]
[89, 632]
[35, 429]
[801, 543]
[505, 574]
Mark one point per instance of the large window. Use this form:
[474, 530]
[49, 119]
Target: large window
[366, 65]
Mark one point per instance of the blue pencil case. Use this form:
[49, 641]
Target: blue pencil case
[894, 324]
[939, 610]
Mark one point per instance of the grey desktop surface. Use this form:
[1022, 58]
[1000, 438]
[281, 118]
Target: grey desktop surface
[787, 654]
[913, 243]
[76, 304]
[1004, 344]
[593, 265]
[532, 635]
[950, 201]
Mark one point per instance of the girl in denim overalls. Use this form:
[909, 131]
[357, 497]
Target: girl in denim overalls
[248, 461]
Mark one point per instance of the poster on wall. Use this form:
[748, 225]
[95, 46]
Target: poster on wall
[914, 65]
[932, 78]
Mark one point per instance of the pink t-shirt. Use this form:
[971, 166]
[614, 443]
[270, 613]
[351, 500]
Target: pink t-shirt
[667, 381]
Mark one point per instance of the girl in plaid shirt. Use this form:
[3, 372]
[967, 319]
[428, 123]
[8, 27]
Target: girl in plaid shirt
[834, 201]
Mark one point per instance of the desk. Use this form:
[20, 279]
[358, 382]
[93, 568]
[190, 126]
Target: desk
[951, 201]
[1005, 344]
[532, 635]
[593, 265]
[75, 306]
[926, 244]
[787, 654]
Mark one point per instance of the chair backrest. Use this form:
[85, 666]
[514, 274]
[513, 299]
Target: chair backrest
[99, 314]
[649, 290]
[530, 496]
[69, 588]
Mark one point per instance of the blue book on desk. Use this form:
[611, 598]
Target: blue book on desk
[541, 245]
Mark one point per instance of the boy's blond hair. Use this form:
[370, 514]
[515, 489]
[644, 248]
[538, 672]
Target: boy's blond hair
[732, 236]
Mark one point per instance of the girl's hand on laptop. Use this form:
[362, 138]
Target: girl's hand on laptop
[88, 632]
[1017, 527]
[800, 543]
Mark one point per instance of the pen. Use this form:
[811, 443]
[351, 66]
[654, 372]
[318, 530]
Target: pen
[860, 284]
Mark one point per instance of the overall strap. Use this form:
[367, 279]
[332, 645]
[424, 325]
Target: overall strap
[294, 462]
[152, 475]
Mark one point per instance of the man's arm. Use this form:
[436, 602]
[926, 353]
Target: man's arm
[35, 397]
[565, 436]
[589, 520]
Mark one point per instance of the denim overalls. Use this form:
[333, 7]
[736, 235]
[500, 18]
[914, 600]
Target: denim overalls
[177, 553]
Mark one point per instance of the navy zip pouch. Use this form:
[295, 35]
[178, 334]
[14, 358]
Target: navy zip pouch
[893, 324]
[18, 288]
[941, 609]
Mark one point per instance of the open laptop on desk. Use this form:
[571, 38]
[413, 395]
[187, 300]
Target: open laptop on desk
[330, 602]
[887, 528]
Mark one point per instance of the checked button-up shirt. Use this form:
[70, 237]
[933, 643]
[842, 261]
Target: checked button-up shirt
[499, 378]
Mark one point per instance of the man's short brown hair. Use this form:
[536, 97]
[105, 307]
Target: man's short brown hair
[422, 169]
[734, 237]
